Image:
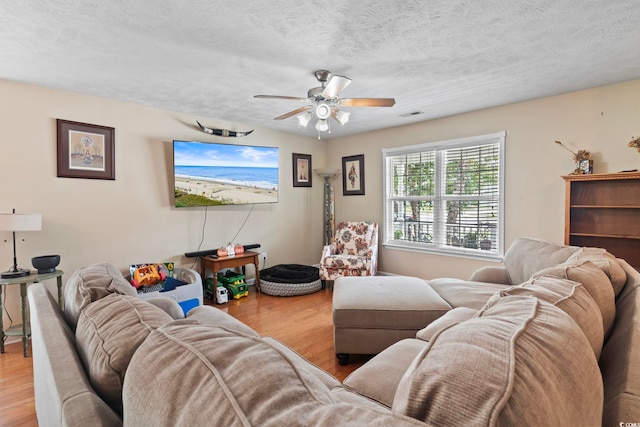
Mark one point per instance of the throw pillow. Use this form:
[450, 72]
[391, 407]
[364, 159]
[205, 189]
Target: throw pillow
[604, 260]
[570, 297]
[594, 280]
[109, 332]
[89, 284]
[520, 362]
[527, 256]
[209, 375]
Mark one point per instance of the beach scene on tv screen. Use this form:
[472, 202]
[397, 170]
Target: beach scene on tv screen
[209, 174]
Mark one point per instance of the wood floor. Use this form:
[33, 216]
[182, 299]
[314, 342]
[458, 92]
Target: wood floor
[301, 322]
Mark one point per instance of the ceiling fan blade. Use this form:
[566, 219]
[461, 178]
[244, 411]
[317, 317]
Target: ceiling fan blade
[335, 86]
[367, 102]
[293, 113]
[291, 98]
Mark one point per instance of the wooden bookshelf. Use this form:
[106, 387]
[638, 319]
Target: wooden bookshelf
[603, 210]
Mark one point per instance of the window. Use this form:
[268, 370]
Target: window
[446, 197]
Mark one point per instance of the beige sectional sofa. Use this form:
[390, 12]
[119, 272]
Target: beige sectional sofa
[552, 350]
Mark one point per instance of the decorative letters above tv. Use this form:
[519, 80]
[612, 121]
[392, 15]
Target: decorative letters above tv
[210, 174]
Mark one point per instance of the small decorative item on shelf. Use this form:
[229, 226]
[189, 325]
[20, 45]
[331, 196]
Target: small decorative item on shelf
[230, 249]
[46, 263]
[485, 234]
[635, 143]
[584, 164]
[238, 249]
[222, 252]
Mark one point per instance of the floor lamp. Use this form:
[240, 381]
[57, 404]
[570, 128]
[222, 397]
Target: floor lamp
[328, 175]
[18, 222]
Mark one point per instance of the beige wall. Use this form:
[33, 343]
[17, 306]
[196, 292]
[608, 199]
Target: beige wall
[601, 120]
[131, 219]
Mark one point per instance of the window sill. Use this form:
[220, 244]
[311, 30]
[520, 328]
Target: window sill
[480, 254]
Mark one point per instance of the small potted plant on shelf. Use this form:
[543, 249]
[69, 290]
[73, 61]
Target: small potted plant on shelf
[485, 243]
[470, 240]
[584, 164]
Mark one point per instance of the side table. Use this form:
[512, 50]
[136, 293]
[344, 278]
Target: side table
[217, 264]
[24, 329]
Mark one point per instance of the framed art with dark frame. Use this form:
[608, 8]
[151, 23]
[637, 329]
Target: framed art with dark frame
[85, 150]
[353, 175]
[301, 170]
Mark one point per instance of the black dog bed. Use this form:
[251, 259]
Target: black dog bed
[290, 279]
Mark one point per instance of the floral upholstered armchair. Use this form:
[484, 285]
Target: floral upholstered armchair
[354, 252]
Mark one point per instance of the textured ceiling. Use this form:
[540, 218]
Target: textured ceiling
[208, 58]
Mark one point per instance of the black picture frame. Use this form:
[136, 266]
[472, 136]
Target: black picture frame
[85, 150]
[302, 170]
[353, 175]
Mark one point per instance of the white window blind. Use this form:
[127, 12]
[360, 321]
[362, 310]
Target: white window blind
[446, 197]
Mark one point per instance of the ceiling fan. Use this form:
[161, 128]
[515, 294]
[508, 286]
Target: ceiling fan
[325, 100]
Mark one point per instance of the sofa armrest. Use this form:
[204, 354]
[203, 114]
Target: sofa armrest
[491, 274]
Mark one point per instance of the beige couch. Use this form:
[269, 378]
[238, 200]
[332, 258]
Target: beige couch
[528, 356]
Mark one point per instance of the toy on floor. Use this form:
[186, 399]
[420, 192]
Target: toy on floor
[222, 295]
[146, 275]
[234, 283]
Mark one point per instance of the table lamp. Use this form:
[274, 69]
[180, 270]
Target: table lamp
[18, 222]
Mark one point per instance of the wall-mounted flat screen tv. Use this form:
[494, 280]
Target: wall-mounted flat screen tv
[209, 174]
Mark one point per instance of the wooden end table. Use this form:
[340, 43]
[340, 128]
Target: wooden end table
[217, 264]
[24, 329]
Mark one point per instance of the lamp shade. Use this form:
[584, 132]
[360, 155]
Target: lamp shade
[304, 119]
[326, 172]
[322, 125]
[342, 116]
[20, 222]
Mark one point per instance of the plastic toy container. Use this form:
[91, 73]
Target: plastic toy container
[188, 296]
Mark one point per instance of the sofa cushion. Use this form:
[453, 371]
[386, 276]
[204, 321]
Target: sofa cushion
[511, 365]
[229, 378]
[463, 293]
[109, 332]
[90, 284]
[211, 316]
[594, 280]
[453, 317]
[571, 297]
[620, 360]
[527, 256]
[604, 260]
[378, 379]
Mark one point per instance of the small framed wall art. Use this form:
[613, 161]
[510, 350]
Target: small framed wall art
[353, 175]
[85, 150]
[301, 170]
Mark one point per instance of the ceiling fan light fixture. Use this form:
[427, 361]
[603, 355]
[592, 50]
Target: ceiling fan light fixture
[342, 116]
[322, 125]
[323, 111]
[304, 119]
